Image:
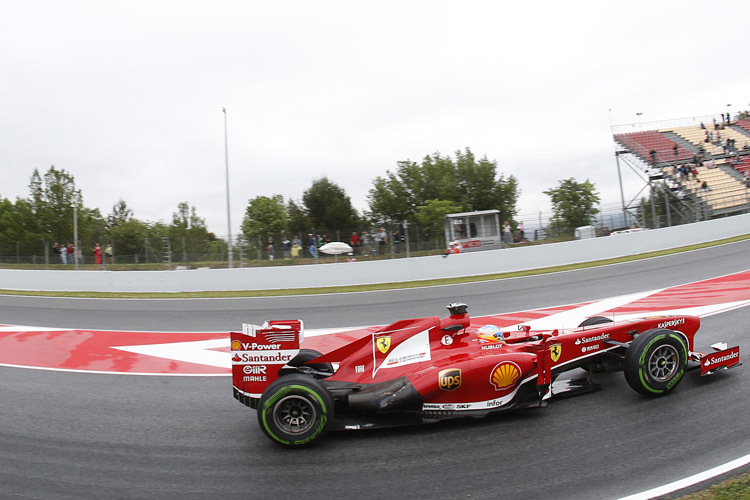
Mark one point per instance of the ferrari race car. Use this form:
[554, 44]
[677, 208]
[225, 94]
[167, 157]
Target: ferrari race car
[428, 369]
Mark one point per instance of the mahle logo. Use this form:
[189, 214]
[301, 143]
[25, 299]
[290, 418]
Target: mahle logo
[450, 379]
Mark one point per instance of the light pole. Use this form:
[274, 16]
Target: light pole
[229, 216]
[75, 235]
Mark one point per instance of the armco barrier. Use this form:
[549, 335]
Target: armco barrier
[383, 271]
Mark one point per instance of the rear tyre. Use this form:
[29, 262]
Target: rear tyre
[594, 320]
[295, 411]
[306, 355]
[655, 362]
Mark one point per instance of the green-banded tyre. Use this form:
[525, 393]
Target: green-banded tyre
[655, 362]
[295, 410]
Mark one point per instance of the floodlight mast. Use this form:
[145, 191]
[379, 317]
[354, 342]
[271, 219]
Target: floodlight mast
[229, 215]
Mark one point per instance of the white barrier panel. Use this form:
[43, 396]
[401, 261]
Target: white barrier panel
[381, 271]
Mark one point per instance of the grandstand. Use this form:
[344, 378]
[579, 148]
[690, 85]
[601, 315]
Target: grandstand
[710, 150]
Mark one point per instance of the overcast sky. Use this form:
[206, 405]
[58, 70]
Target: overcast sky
[128, 96]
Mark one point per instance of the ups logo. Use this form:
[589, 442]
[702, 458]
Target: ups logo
[450, 379]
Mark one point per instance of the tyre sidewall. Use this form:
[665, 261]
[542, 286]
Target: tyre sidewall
[640, 351]
[300, 386]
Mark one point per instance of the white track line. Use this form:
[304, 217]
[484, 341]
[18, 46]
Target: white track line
[690, 481]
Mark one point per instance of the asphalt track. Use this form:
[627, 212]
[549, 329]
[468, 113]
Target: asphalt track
[77, 435]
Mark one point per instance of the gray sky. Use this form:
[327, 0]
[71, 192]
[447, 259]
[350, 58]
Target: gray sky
[128, 97]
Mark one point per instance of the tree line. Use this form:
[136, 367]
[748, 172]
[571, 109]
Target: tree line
[419, 192]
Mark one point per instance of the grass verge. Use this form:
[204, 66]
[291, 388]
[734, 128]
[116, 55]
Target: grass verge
[737, 488]
[375, 287]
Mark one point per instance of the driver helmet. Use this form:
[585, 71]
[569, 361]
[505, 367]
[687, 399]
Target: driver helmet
[490, 333]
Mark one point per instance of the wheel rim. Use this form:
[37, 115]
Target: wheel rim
[663, 363]
[294, 414]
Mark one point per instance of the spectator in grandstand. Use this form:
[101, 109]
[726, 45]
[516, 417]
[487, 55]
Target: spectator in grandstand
[703, 126]
[694, 171]
[710, 163]
[674, 148]
[704, 187]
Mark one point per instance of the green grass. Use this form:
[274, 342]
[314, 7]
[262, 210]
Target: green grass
[737, 488]
[381, 286]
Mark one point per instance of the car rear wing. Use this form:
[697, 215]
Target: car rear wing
[721, 359]
[259, 352]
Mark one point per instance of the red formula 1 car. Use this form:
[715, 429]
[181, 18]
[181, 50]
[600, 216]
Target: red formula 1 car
[429, 369]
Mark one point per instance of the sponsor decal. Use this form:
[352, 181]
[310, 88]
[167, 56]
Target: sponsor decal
[236, 345]
[492, 347]
[254, 369]
[359, 369]
[450, 379]
[446, 340]
[720, 359]
[254, 378]
[505, 375]
[262, 358]
[247, 346]
[588, 348]
[671, 323]
[415, 349]
[555, 350]
[596, 338]
[383, 343]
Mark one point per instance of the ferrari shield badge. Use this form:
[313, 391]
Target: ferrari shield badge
[555, 351]
[383, 343]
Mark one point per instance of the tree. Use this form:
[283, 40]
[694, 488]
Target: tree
[328, 207]
[431, 216]
[189, 234]
[299, 223]
[573, 204]
[469, 183]
[120, 213]
[265, 216]
[52, 199]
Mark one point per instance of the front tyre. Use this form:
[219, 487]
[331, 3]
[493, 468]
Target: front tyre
[655, 362]
[294, 411]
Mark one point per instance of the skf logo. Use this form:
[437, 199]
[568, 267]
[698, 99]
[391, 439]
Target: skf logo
[555, 351]
[505, 375]
[450, 379]
[383, 343]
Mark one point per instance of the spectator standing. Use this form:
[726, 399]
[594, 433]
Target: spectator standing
[63, 254]
[365, 241]
[69, 253]
[98, 254]
[270, 248]
[381, 238]
[521, 231]
[313, 247]
[354, 243]
[296, 246]
[286, 247]
[108, 254]
[507, 236]
[56, 250]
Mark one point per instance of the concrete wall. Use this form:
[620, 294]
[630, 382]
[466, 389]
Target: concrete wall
[354, 273]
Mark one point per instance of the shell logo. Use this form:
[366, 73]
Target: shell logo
[505, 375]
[236, 345]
